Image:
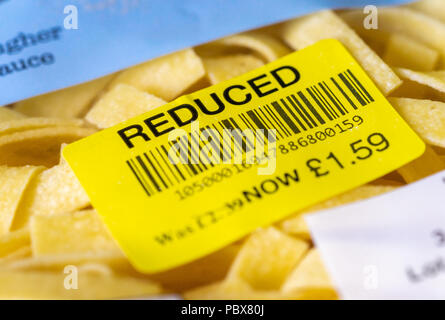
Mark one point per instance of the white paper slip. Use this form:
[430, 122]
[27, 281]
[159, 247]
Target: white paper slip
[388, 247]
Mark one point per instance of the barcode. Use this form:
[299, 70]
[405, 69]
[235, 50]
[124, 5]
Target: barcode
[304, 110]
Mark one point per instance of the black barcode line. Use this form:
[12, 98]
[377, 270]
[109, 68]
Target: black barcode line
[263, 125]
[201, 146]
[185, 162]
[252, 115]
[195, 152]
[211, 139]
[296, 107]
[320, 103]
[301, 112]
[145, 182]
[273, 122]
[171, 146]
[163, 172]
[174, 166]
[138, 177]
[236, 139]
[311, 107]
[253, 126]
[266, 120]
[223, 143]
[196, 168]
[247, 143]
[188, 159]
[326, 112]
[277, 120]
[245, 121]
[211, 159]
[167, 166]
[326, 103]
[249, 125]
[199, 143]
[156, 171]
[231, 142]
[353, 105]
[333, 98]
[323, 102]
[352, 89]
[371, 99]
[329, 100]
[193, 158]
[263, 121]
[356, 88]
[191, 152]
[148, 173]
[270, 124]
[285, 117]
[224, 140]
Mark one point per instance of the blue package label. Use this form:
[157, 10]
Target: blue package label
[46, 45]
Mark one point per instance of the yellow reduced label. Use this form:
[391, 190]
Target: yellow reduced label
[190, 177]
